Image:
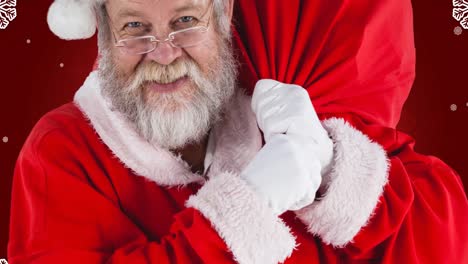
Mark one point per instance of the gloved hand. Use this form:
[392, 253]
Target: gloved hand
[282, 175]
[286, 108]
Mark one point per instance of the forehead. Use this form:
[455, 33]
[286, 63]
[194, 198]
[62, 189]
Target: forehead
[153, 8]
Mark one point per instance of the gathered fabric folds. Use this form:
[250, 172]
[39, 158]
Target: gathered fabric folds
[351, 56]
[356, 59]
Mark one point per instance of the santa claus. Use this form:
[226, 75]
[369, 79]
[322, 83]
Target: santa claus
[163, 157]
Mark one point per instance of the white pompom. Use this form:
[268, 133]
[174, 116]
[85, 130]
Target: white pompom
[72, 19]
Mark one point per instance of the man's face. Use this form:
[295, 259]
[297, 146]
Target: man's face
[159, 18]
[172, 95]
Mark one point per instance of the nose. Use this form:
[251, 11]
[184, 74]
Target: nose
[164, 53]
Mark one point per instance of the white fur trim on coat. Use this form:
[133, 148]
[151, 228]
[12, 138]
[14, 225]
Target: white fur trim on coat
[236, 139]
[352, 188]
[249, 228]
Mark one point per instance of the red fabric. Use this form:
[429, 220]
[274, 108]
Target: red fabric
[74, 202]
[356, 59]
[352, 56]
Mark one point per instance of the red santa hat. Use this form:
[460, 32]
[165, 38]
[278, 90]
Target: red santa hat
[73, 19]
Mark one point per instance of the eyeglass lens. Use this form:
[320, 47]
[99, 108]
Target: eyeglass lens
[180, 39]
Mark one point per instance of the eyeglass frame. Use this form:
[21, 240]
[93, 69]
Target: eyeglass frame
[170, 36]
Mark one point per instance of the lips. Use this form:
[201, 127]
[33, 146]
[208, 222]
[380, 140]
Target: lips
[167, 87]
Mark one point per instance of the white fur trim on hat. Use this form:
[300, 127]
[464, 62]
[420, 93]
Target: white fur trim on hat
[72, 19]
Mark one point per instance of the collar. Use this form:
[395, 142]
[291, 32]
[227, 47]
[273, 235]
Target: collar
[233, 141]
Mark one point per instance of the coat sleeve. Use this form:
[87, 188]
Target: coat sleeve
[384, 202]
[57, 216]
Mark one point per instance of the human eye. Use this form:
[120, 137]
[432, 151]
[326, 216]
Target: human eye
[186, 19]
[133, 25]
[135, 28]
[185, 22]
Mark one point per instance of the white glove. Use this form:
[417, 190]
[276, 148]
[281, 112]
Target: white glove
[281, 175]
[286, 108]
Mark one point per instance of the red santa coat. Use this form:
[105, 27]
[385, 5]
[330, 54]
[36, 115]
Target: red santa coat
[88, 189]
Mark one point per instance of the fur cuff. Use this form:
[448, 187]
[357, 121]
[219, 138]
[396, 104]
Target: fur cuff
[352, 187]
[249, 228]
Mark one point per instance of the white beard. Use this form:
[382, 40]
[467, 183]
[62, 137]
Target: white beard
[173, 120]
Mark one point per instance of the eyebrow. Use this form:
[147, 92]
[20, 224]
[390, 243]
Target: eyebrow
[128, 13]
[123, 13]
[188, 7]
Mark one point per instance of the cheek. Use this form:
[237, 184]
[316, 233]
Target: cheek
[205, 54]
[125, 64]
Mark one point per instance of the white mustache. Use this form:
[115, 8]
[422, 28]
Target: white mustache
[163, 74]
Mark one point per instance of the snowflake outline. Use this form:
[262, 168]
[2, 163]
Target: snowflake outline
[7, 12]
[460, 12]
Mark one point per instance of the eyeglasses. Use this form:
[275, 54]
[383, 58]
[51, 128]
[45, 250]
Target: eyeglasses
[184, 38]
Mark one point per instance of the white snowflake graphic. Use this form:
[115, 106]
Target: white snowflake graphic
[460, 12]
[7, 12]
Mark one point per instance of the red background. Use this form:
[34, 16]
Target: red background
[33, 82]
